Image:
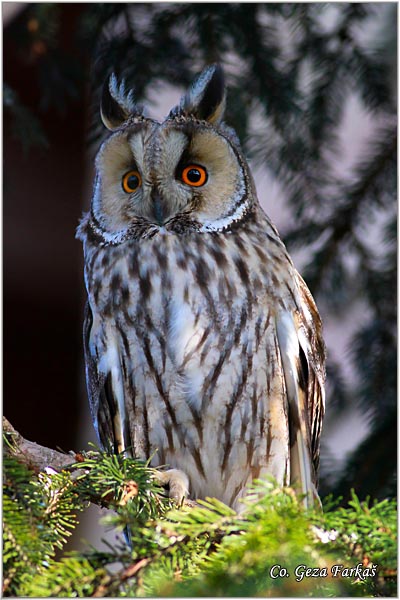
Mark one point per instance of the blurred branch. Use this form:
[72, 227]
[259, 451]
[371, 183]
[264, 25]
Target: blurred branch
[25, 126]
[371, 469]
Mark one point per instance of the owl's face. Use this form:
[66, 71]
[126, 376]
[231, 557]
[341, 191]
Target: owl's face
[190, 165]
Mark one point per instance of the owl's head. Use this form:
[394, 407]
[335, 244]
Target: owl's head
[187, 172]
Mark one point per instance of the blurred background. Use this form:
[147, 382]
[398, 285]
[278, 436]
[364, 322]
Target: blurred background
[312, 96]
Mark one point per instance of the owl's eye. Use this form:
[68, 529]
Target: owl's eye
[131, 181]
[194, 175]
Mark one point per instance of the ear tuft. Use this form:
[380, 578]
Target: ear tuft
[206, 97]
[116, 104]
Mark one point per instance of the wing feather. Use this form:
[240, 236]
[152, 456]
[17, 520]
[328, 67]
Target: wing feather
[303, 359]
[106, 392]
[312, 343]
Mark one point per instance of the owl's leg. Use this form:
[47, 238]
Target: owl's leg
[177, 481]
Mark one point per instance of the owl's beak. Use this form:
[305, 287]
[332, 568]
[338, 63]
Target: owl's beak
[158, 210]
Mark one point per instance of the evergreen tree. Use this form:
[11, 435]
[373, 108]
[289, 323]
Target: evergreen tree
[291, 71]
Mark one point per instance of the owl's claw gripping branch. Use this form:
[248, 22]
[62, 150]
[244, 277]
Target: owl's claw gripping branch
[177, 482]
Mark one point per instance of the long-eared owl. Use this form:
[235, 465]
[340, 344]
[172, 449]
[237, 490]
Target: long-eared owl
[203, 345]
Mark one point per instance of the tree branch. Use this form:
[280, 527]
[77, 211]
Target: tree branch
[33, 455]
[38, 458]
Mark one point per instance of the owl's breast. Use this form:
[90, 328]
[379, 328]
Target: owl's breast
[189, 298]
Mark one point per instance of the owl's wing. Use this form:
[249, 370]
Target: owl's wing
[313, 345]
[303, 359]
[105, 394]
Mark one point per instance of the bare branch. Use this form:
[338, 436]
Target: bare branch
[33, 455]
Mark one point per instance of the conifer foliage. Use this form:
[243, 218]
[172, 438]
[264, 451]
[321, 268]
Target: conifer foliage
[202, 550]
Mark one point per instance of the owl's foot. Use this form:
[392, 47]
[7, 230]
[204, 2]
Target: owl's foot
[177, 482]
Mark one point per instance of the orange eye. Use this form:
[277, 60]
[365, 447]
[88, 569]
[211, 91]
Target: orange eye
[131, 181]
[194, 175]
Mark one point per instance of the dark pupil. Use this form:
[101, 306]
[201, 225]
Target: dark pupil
[194, 175]
[133, 182]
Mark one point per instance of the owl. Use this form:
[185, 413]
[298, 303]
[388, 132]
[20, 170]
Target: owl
[203, 345]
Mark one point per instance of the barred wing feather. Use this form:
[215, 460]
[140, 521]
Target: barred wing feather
[105, 391]
[302, 352]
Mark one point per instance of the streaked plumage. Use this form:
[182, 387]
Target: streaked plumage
[203, 344]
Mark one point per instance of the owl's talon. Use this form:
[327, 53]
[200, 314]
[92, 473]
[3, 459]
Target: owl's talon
[177, 481]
